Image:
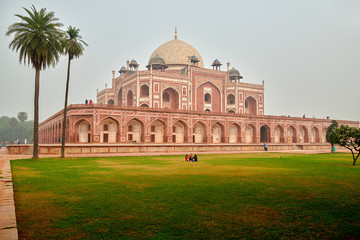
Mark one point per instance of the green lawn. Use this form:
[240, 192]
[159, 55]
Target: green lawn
[246, 196]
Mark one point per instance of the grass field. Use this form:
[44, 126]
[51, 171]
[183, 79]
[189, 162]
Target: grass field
[246, 196]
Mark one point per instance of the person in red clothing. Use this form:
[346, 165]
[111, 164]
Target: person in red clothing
[90, 101]
[187, 158]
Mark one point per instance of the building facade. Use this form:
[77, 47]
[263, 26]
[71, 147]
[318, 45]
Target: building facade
[175, 100]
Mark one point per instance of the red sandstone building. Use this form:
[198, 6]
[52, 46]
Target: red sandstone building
[177, 103]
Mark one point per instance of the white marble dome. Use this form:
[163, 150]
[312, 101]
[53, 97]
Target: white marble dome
[176, 54]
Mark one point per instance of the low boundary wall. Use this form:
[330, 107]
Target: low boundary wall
[55, 149]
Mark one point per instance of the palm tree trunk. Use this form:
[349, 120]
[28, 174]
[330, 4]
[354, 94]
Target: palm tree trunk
[65, 112]
[36, 114]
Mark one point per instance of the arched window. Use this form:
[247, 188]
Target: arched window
[230, 99]
[207, 98]
[106, 127]
[144, 91]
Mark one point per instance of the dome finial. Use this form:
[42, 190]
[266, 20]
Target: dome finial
[175, 32]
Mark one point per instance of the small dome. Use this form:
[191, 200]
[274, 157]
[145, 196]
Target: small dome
[122, 70]
[194, 59]
[157, 60]
[234, 72]
[133, 63]
[216, 63]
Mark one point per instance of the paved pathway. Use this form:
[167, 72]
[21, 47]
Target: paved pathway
[8, 226]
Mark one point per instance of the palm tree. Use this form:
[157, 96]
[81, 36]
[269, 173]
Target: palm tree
[38, 40]
[22, 116]
[73, 46]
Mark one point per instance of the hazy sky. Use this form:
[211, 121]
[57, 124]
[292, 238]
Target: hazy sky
[308, 52]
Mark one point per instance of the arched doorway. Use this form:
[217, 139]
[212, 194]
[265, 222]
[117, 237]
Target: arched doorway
[170, 98]
[179, 132]
[199, 133]
[108, 131]
[120, 97]
[217, 132]
[250, 134]
[265, 134]
[291, 132]
[234, 133]
[134, 131]
[130, 98]
[250, 106]
[157, 132]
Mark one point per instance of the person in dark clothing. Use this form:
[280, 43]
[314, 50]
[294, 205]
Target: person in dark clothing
[195, 158]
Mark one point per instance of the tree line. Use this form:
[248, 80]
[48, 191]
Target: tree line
[12, 129]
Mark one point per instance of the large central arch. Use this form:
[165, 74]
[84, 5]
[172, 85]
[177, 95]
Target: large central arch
[130, 98]
[119, 100]
[208, 96]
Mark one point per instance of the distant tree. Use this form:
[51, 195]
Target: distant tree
[22, 116]
[13, 124]
[334, 125]
[348, 137]
[74, 47]
[38, 40]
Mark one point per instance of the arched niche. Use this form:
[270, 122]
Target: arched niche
[199, 132]
[250, 106]
[304, 135]
[111, 102]
[170, 98]
[108, 131]
[130, 98]
[179, 132]
[217, 132]
[279, 134]
[265, 134]
[135, 131]
[314, 136]
[291, 132]
[250, 134]
[120, 97]
[230, 99]
[158, 132]
[144, 91]
[234, 133]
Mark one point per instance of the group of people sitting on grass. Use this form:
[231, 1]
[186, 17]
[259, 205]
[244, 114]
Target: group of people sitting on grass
[191, 158]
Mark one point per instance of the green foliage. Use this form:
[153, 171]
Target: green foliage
[22, 116]
[348, 137]
[37, 38]
[329, 137]
[9, 134]
[73, 43]
[227, 196]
